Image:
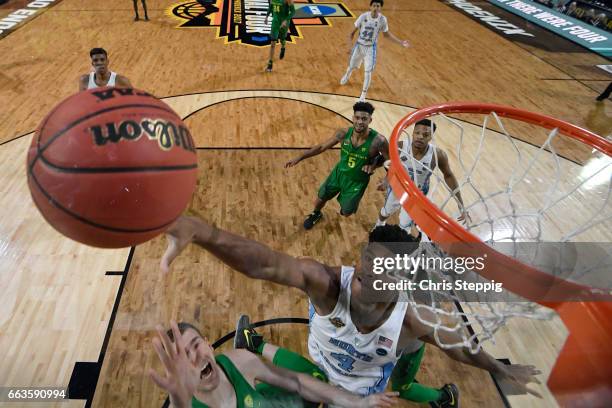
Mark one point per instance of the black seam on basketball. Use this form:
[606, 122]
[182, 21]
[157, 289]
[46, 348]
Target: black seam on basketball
[57, 135]
[58, 205]
[95, 170]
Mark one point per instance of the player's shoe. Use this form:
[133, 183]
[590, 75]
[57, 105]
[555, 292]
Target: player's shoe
[136, 18]
[379, 223]
[246, 337]
[344, 79]
[282, 53]
[450, 398]
[312, 219]
[269, 68]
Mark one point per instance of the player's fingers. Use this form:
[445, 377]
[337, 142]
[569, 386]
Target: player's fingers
[168, 345]
[178, 338]
[158, 379]
[162, 354]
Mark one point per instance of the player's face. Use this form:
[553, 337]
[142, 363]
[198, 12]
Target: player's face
[100, 63]
[421, 136]
[375, 8]
[204, 359]
[361, 121]
[372, 254]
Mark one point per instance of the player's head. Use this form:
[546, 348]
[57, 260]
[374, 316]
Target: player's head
[376, 5]
[422, 133]
[196, 344]
[99, 60]
[384, 242]
[362, 115]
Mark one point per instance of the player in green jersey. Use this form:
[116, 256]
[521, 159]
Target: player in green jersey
[363, 150]
[196, 377]
[282, 11]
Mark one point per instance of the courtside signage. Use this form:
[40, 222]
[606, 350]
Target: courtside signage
[581, 33]
[244, 21]
[19, 17]
[489, 18]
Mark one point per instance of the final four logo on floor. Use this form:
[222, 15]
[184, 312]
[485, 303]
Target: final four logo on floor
[244, 21]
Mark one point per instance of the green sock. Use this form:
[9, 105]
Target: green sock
[419, 393]
[260, 348]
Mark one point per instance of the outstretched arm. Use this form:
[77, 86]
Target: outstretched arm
[312, 389]
[318, 149]
[248, 257]
[451, 182]
[392, 37]
[517, 374]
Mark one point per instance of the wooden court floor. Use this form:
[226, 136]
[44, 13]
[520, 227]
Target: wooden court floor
[64, 303]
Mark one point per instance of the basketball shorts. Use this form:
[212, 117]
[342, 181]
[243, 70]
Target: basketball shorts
[365, 54]
[349, 191]
[392, 205]
[276, 31]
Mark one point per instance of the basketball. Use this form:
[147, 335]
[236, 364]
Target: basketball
[111, 167]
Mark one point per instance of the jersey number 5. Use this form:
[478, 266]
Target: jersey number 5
[351, 162]
[346, 362]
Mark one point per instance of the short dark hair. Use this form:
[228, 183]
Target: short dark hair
[428, 123]
[381, 2]
[363, 107]
[390, 236]
[95, 51]
[183, 327]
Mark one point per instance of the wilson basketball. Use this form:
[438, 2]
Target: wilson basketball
[111, 167]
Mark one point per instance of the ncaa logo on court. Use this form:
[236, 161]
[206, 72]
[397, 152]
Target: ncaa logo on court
[244, 21]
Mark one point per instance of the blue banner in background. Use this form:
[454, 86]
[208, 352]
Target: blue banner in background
[581, 33]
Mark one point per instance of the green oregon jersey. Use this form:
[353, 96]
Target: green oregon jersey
[352, 158]
[262, 396]
[280, 8]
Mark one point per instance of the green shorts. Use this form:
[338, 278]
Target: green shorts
[348, 190]
[276, 31]
[278, 397]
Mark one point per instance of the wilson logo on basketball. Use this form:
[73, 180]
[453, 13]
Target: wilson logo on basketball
[166, 133]
[244, 21]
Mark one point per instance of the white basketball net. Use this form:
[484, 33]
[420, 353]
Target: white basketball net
[514, 193]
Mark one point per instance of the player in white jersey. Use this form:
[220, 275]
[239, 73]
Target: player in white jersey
[420, 158]
[360, 337]
[369, 24]
[101, 76]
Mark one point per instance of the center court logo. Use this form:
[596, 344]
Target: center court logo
[244, 21]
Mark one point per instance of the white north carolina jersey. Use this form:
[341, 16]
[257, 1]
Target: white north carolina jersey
[422, 167]
[370, 27]
[359, 363]
[92, 80]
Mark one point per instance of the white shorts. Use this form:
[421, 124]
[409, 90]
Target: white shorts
[365, 54]
[391, 206]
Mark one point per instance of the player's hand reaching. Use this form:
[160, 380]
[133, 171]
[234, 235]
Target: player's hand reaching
[292, 163]
[179, 235]
[383, 184]
[464, 218]
[368, 168]
[405, 43]
[182, 376]
[382, 400]
[518, 375]
[284, 24]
